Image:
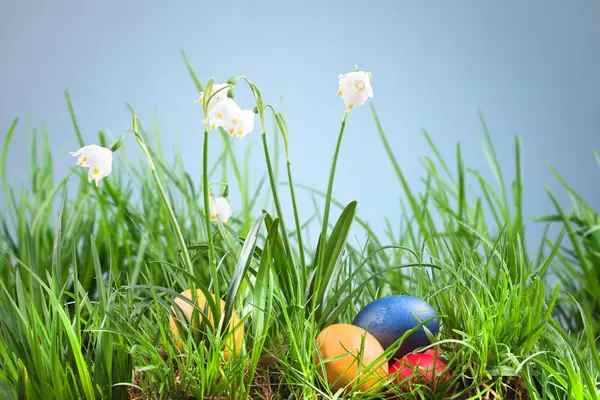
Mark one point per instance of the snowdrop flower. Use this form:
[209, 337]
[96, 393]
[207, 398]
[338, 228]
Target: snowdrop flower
[355, 88]
[225, 114]
[97, 159]
[223, 111]
[244, 123]
[219, 106]
[237, 122]
[220, 208]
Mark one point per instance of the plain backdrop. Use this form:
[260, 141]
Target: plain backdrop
[532, 68]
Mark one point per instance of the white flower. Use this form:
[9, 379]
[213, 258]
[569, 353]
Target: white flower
[355, 88]
[97, 159]
[245, 123]
[225, 114]
[218, 106]
[223, 111]
[237, 121]
[220, 208]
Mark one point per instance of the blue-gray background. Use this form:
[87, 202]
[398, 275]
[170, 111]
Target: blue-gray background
[532, 68]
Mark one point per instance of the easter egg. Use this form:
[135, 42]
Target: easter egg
[390, 317]
[233, 341]
[339, 346]
[423, 368]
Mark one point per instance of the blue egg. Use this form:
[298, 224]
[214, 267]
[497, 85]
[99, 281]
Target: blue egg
[390, 317]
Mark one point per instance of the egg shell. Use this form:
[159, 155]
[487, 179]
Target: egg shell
[342, 343]
[424, 368]
[390, 317]
[233, 341]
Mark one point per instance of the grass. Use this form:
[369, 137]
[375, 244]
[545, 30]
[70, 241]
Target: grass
[87, 291]
[579, 264]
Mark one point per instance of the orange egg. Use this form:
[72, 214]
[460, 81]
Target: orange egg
[233, 341]
[342, 343]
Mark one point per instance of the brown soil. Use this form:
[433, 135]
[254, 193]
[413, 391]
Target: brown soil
[512, 387]
[267, 379]
[266, 383]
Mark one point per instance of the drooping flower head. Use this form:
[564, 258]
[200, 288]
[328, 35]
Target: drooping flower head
[223, 111]
[245, 123]
[355, 88]
[97, 159]
[220, 207]
[225, 114]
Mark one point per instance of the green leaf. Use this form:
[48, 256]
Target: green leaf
[241, 268]
[263, 286]
[281, 264]
[23, 383]
[192, 72]
[7, 140]
[74, 120]
[333, 250]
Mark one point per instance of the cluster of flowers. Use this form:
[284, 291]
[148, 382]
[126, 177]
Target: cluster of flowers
[223, 112]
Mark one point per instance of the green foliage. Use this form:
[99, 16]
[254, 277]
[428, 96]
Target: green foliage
[88, 277]
[578, 266]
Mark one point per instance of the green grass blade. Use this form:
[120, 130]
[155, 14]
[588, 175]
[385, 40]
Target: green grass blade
[192, 72]
[74, 120]
[241, 268]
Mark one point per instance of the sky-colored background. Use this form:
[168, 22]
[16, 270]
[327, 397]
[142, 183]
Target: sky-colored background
[532, 68]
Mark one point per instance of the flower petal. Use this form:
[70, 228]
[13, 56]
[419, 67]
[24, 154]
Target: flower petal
[97, 159]
[81, 158]
[246, 123]
[230, 112]
[355, 88]
[223, 209]
[212, 205]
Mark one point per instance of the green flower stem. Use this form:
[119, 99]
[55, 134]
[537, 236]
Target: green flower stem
[321, 255]
[284, 132]
[261, 113]
[296, 220]
[332, 176]
[286, 241]
[211, 245]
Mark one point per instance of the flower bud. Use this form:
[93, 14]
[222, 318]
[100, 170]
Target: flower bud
[233, 80]
[117, 144]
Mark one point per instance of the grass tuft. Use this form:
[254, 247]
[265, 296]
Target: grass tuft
[88, 285]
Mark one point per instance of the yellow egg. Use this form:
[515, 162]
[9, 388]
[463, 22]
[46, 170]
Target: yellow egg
[342, 343]
[233, 341]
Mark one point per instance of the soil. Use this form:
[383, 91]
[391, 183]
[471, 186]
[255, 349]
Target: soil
[513, 388]
[268, 383]
[267, 379]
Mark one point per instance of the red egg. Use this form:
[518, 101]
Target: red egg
[422, 368]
